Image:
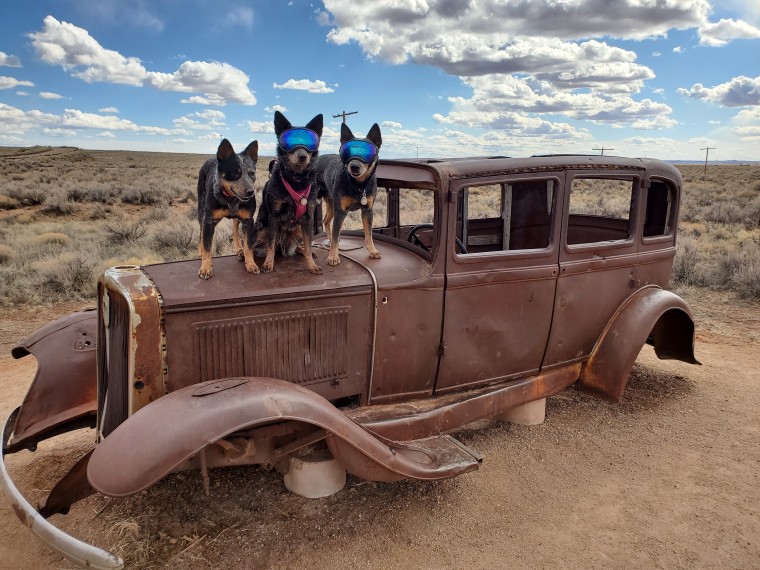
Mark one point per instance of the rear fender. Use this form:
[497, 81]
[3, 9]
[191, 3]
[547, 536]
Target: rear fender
[63, 394]
[651, 314]
[159, 437]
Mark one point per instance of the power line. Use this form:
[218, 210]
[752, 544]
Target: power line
[344, 114]
[707, 150]
[602, 149]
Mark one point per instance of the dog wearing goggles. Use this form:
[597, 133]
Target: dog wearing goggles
[225, 190]
[286, 217]
[347, 183]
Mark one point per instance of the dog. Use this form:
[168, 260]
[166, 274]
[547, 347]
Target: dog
[347, 182]
[285, 219]
[225, 190]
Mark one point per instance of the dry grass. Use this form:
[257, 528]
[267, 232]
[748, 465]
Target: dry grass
[68, 213]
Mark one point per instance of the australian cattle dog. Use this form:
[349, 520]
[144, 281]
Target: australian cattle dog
[347, 182]
[225, 190]
[286, 216]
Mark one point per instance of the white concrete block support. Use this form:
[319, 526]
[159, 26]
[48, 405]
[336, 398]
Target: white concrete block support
[530, 414]
[315, 476]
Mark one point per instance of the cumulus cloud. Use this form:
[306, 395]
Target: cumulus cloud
[273, 108]
[203, 120]
[108, 110]
[726, 30]
[72, 48]
[391, 125]
[9, 60]
[266, 127]
[738, 92]
[209, 99]
[59, 132]
[11, 82]
[317, 86]
[50, 95]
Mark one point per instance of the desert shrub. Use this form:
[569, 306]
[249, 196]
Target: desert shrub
[100, 212]
[143, 196]
[686, 262]
[746, 277]
[175, 240]
[28, 196]
[51, 238]
[123, 232]
[58, 204]
[8, 203]
[724, 212]
[69, 274]
[7, 254]
[155, 215]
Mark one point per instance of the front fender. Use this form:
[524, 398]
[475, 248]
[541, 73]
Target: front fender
[63, 394]
[649, 313]
[163, 434]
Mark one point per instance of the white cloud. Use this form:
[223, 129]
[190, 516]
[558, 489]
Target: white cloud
[107, 135]
[11, 82]
[738, 92]
[678, 49]
[211, 137]
[9, 60]
[391, 125]
[211, 120]
[209, 99]
[266, 127]
[726, 30]
[50, 95]
[23, 93]
[273, 108]
[71, 47]
[108, 110]
[317, 86]
[59, 132]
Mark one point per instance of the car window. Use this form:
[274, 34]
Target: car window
[658, 219]
[600, 210]
[511, 216]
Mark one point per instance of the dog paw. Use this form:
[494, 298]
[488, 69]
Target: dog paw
[374, 254]
[315, 269]
[333, 260]
[252, 268]
[240, 255]
[204, 273]
[267, 267]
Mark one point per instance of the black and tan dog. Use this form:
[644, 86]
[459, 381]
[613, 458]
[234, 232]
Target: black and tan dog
[347, 182]
[225, 190]
[286, 217]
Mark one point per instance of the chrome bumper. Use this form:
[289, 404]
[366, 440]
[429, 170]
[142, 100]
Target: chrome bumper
[66, 545]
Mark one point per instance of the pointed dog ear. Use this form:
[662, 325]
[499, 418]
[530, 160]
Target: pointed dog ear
[374, 137]
[252, 150]
[345, 133]
[316, 125]
[225, 150]
[280, 123]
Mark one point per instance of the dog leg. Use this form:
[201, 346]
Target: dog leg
[248, 233]
[327, 221]
[313, 267]
[207, 238]
[271, 235]
[236, 238]
[333, 258]
[367, 223]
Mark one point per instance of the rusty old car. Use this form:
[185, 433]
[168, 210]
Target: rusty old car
[502, 281]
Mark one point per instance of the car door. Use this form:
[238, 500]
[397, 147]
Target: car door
[597, 258]
[501, 272]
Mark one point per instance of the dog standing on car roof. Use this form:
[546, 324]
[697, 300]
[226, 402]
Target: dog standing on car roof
[225, 190]
[347, 182]
[286, 217]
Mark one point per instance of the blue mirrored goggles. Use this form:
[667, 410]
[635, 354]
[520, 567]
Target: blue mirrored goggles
[363, 150]
[293, 138]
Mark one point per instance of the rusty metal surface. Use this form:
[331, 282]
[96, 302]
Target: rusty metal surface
[180, 424]
[649, 310]
[423, 418]
[66, 545]
[72, 487]
[63, 392]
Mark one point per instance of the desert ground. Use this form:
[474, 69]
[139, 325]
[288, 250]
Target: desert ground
[667, 478]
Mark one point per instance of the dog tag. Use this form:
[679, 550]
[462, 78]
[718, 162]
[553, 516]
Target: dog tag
[363, 201]
[304, 201]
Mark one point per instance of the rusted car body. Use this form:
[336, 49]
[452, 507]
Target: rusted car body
[502, 281]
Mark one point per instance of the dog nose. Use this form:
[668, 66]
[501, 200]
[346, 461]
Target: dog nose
[355, 168]
[302, 158]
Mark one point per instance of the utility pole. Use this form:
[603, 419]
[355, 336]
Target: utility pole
[602, 149]
[707, 150]
[344, 115]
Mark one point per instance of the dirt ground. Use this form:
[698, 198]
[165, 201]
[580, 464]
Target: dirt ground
[667, 478]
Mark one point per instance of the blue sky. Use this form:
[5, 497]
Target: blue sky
[662, 78]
